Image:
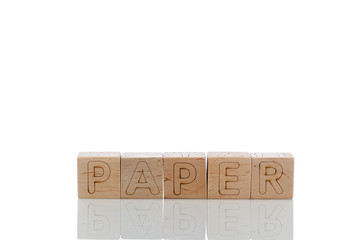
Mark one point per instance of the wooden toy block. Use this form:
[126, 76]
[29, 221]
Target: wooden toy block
[229, 175]
[272, 175]
[184, 175]
[142, 175]
[99, 175]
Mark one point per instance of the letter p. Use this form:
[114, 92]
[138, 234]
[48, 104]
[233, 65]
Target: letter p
[97, 172]
[184, 173]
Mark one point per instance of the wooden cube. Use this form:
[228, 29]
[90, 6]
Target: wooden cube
[272, 175]
[184, 175]
[99, 175]
[142, 175]
[229, 175]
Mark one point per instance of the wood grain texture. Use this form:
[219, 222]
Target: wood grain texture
[142, 175]
[272, 175]
[99, 175]
[184, 175]
[229, 175]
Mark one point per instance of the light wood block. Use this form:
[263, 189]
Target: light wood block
[272, 175]
[99, 175]
[184, 175]
[142, 175]
[229, 175]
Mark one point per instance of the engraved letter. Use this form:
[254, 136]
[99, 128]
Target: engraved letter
[142, 178]
[184, 173]
[270, 172]
[225, 178]
[97, 172]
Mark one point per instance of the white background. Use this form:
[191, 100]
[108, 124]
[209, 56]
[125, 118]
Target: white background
[193, 75]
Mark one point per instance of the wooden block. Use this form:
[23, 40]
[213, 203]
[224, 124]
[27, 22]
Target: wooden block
[229, 175]
[142, 175]
[272, 175]
[99, 175]
[184, 175]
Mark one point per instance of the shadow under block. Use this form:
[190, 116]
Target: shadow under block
[184, 175]
[142, 175]
[229, 175]
[99, 175]
[272, 176]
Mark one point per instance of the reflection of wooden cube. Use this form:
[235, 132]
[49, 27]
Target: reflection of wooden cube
[184, 175]
[98, 219]
[272, 175]
[142, 175]
[229, 175]
[272, 220]
[141, 219]
[99, 175]
[184, 219]
[228, 219]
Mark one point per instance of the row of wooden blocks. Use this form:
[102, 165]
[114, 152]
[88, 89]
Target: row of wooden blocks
[221, 175]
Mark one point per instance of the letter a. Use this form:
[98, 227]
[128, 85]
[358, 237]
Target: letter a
[142, 178]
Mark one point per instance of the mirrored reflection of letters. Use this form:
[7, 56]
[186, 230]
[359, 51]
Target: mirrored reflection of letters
[141, 219]
[98, 219]
[184, 219]
[229, 219]
[272, 219]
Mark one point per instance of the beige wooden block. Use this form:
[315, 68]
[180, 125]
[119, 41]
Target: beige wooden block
[272, 175]
[229, 175]
[184, 175]
[142, 175]
[99, 175]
